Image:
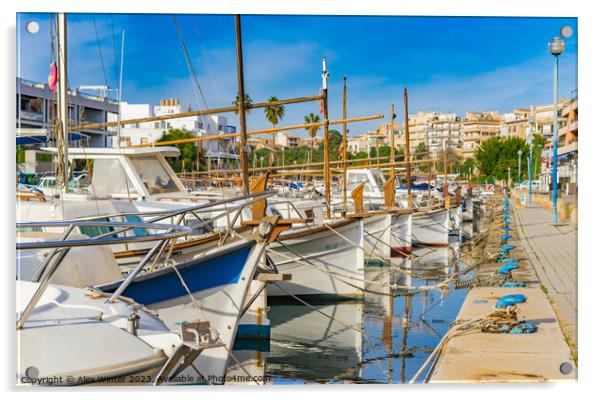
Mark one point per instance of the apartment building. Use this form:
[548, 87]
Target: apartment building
[477, 128]
[515, 124]
[286, 140]
[418, 127]
[363, 143]
[443, 129]
[36, 113]
[384, 129]
[200, 125]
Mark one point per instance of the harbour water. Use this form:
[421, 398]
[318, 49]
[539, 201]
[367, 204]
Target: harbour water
[384, 338]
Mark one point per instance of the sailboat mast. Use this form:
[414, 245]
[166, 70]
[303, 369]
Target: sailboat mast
[242, 104]
[326, 123]
[62, 97]
[344, 145]
[407, 150]
[392, 145]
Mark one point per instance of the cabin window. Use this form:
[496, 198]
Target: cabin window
[136, 231]
[154, 175]
[379, 178]
[110, 178]
[94, 231]
[199, 227]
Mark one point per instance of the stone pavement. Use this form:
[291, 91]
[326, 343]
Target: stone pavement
[552, 251]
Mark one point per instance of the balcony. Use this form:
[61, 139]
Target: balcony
[31, 116]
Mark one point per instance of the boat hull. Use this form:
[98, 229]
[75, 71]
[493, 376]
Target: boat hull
[377, 239]
[401, 235]
[219, 283]
[431, 228]
[337, 263]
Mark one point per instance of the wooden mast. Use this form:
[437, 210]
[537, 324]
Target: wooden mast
[407, 149]
[63, 97]
[344, 146]
[326, 122]
[242, 108]
[392, 134]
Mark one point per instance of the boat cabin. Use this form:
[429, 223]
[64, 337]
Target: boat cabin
[134, 173]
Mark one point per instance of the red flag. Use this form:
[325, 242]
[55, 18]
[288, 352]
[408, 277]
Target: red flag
[53, 77]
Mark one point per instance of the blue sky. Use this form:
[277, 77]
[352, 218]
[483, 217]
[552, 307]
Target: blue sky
[455, 64]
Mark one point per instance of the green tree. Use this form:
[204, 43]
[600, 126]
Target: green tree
[313, 130]
[496, 155]
[421, 151]
[468, 167]
[334, 142]
[273, 114]
[248, 102]
[188, 151]
[421, 154]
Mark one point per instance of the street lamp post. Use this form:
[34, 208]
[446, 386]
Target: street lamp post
[556, 47]
[520, 153]
[530, 140]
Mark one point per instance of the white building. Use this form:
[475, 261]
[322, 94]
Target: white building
[443, 128]
[36, 105]
[201, 125]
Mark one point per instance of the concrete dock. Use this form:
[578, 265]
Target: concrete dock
[473, 356]
[552, 251]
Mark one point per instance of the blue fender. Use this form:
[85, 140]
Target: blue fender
[509, 260]
[507, 268]
[514, 284]
[510, 300]
[505, 237]
[506, 248]
[523, 327]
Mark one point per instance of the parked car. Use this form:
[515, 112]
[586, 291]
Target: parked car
[525, 185]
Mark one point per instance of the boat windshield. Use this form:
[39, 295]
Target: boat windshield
[379, 178]
[154, 175]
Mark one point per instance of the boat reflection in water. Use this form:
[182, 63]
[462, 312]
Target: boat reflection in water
[306, 346]
[401, 325]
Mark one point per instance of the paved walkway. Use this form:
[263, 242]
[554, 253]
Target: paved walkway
[553, 253]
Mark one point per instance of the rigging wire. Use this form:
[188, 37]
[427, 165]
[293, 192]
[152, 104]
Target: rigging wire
[102, 61]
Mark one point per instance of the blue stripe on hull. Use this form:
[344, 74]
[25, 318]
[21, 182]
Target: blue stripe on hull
[199, 275]
[247, 331]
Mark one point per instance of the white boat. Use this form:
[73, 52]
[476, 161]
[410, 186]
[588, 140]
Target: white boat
[377, 238]
[431, 227]
[140, 180]
[75, 338]
[401, 234]
[211, 288]
[324, 259]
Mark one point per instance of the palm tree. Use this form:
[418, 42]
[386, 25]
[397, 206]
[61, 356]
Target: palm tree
[248, 102]
[312, 119]
[273, 114]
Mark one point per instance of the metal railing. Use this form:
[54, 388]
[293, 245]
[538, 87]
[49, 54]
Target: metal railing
[62, 246]
[169, 232]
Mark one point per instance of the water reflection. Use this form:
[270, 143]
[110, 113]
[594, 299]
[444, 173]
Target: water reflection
[400, 325]
[320, 345]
